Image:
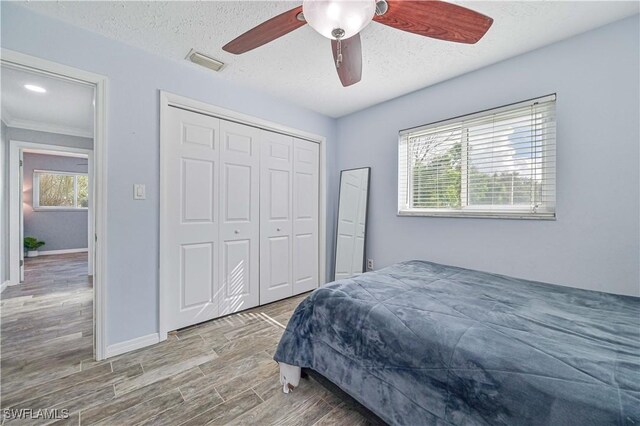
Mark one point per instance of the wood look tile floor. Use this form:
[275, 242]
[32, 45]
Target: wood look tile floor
[218, 372]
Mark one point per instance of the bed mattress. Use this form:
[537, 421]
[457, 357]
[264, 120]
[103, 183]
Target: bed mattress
[423, 343]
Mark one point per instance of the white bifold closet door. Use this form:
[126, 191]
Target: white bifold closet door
[289, 188]
[212, 229]
[239, 217]
[191, 159]
[306, 196]
[276, 211]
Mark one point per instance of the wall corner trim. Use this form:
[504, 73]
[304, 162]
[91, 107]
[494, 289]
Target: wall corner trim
[132, 345]
[4, 285]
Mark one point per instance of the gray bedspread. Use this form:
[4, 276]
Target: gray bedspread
[422, 343]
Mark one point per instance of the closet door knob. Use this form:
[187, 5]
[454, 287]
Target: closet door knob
[278, 229]
[237, 231]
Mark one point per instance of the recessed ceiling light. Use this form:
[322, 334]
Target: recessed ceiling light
[35, 88]
[204, 60]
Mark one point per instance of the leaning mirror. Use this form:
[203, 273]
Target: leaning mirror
[352, 222]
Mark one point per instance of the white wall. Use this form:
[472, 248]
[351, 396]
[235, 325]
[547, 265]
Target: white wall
[595, 241]
[135, 78]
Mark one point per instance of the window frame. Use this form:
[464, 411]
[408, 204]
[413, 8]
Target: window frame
[36, 190]
[405, 191]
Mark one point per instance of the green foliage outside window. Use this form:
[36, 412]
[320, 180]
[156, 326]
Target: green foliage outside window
[446, 171]
[437, 183]
[56, 190]
[83, 191]
[61, 190]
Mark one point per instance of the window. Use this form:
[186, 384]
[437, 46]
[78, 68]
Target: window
[496, 163]
[60, 190]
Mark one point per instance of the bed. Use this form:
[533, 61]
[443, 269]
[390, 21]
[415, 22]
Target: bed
[423, 343]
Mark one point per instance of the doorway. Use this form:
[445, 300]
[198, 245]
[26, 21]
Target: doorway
[51, 199]
[54, 126]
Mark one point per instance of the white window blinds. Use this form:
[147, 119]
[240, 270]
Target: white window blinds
[496, 163]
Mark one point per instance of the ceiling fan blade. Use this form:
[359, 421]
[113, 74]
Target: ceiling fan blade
[266, 32]
[436, 19]
[350, 69]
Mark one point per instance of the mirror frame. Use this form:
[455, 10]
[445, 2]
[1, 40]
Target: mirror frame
[366, 220]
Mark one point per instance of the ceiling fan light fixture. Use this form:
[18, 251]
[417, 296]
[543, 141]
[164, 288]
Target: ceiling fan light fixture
[338, 19]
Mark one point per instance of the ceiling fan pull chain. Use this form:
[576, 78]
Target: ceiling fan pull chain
[339, 55]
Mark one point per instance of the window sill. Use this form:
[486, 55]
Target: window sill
[478, 215]
[60, 209]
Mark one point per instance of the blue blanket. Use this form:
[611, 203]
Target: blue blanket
[422, 343]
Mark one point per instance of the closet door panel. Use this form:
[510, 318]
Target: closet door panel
[306, 187]
[190, 156]
[236, 254]
[276, 194]
[239, 217]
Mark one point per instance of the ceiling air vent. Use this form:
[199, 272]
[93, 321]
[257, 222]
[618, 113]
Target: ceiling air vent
[204, 60]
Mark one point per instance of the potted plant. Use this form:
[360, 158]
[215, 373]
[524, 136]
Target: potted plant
[31, 245]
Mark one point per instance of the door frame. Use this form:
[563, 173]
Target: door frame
[21, 60]
[168, 100]
[16, 233]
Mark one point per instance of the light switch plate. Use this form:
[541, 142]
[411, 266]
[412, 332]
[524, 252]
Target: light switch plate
[139, 191]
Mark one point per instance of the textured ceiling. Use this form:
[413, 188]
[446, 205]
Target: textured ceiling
[299, 66]
[66, 107]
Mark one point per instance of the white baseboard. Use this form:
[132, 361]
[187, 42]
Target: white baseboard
[66, 251]
[4, 285]
[132, 345]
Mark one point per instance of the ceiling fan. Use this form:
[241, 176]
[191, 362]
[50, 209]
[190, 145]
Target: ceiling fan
[342, 20]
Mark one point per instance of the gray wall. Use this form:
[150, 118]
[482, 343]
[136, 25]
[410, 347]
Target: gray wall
[61, 230]
[133, 152]
[46, 138]
[594, 243]
[4, 203]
